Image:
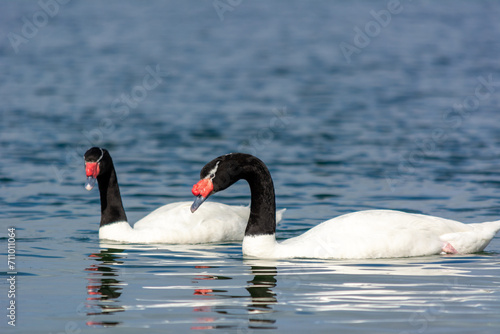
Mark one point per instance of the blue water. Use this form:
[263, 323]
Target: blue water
[406, 118]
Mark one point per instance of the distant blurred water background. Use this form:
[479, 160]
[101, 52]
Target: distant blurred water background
[352, 105]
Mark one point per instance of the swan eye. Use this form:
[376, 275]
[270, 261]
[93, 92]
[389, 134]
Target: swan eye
[211, 176]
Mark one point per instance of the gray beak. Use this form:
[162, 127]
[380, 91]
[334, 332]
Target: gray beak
[90, 182]
[197, 202]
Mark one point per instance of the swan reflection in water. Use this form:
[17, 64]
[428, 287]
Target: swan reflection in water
[103, 287]
[259, 308]
[192, 287]
[263, 297]
[229, 308]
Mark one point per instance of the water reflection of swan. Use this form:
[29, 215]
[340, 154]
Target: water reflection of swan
[258, 309]
[209, 297]
[103, 287]
[300, 270]
[199, 251]
[260, 289]
[206, 287]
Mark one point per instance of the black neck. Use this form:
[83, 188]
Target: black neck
[111, 201]
[262, 218]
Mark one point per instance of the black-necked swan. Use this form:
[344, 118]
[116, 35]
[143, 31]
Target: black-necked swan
[172, 223]
[358, 235]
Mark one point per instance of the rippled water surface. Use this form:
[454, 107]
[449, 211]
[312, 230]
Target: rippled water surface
[350, 108]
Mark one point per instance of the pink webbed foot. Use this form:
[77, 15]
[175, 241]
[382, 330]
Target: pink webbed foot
[449, 249]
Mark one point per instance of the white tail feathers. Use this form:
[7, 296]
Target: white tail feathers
[475, 240]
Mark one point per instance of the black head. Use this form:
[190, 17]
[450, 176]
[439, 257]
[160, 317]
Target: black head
[94, 154]
[222, 172]
[97, 162]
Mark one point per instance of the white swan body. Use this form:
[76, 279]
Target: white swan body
[359, 235]
[376, 234]
[175, 224]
